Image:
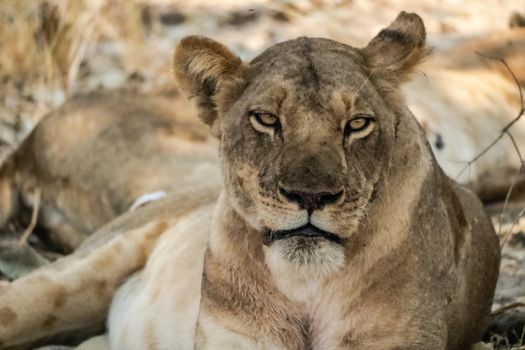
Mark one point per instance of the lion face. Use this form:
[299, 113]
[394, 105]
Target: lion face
[307, 130]
[304, 144]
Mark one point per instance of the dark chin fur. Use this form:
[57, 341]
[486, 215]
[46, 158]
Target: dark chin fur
[309, 234]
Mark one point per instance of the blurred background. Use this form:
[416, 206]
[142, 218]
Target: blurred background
[51, 50]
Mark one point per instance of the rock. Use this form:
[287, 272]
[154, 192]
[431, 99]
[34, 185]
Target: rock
[482, 346]
[507, 329]
[172, 17]
[18, 259]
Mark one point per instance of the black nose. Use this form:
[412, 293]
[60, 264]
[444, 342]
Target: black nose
[311, 200]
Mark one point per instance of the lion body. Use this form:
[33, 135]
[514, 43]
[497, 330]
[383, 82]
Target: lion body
[96, 155]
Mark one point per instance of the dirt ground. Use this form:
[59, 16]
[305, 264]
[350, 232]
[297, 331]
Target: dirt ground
[89, 45]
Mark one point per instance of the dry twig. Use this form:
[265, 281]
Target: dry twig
[34, 216]
[507, 308]
[507, 234]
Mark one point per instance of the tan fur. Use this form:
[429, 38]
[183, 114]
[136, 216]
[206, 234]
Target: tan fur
[93, 157]
[385, 294]
[408, 259]
[96, 343]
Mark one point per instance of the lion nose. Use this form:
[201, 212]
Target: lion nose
[311, 200]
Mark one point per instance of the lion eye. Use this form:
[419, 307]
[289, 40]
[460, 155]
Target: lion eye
[359, 124]
[266, 119]
[265, 122]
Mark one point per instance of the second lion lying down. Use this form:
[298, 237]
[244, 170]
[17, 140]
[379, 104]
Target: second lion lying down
[336, 228]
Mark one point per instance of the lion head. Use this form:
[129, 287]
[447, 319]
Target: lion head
[309, 131]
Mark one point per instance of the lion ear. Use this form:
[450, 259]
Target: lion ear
[207, 72]
[396, 50]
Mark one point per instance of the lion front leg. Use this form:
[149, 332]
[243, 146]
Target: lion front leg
[72, 295]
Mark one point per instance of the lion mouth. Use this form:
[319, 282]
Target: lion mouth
[306, 231]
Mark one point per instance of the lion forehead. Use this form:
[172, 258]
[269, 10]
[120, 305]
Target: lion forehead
[308, 62]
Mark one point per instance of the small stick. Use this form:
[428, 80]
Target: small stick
[506, 203]
[506, 235]
[507, 198]
[507, 307]
[34, 216]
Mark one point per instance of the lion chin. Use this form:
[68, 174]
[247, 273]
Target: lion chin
[306, 252]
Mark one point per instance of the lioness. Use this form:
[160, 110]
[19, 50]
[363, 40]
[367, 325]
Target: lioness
[336, 228]
[97, 154]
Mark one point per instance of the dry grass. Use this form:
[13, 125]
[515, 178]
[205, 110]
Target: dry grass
[46, 40]
[43, 42]
[43, 45]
